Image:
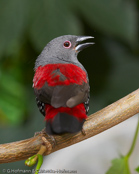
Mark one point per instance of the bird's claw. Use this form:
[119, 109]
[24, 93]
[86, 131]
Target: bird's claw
[48, 145]
[52, 140]
[43, 131]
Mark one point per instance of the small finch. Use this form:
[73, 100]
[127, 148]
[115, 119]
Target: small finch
[61, 85]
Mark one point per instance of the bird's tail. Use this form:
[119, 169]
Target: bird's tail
[63, 119]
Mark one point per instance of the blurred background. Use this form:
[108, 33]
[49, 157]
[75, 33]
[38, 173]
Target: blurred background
[112, 64]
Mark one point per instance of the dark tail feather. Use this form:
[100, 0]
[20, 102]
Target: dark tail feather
[64, 123]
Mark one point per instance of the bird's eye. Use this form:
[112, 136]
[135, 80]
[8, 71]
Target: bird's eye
[67, 44]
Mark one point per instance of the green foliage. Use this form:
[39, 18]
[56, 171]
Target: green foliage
[11, 101]
[121, 165]
[13, 22]
[27, 26]
[31, 161]
[137, 169]
[45, 20]
[117, 18]
[52, 18]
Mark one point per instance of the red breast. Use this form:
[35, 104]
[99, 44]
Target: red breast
[73, 75]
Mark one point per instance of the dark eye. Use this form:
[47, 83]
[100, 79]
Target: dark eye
[67, 44]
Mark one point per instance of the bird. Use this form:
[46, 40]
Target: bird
[61, 85]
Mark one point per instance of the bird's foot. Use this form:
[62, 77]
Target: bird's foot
[52, 139]
[43, 131]
[48, 145]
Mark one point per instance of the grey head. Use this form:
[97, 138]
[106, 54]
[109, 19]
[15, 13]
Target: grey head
[63, 49]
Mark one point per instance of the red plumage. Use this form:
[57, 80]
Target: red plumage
[73, 74]
[77, 111]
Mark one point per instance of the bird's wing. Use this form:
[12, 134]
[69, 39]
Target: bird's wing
[70, 95]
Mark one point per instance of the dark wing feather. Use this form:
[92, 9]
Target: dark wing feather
[86, 104]
[41, 106]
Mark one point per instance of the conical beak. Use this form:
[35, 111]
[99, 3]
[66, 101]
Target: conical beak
[79, 39]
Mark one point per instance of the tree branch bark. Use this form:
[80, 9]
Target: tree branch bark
[96, 123]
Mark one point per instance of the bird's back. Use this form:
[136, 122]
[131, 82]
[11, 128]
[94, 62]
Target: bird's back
[62, 89]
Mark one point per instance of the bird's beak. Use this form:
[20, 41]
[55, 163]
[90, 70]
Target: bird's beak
[79, 47]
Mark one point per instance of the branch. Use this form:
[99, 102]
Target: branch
[96, 123]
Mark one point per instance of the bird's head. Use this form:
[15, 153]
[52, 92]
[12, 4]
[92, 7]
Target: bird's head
[63, 49]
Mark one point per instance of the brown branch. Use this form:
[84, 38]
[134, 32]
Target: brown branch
[96, 123]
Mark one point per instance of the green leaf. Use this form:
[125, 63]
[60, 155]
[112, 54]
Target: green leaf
[32, 161]
[119, 166]
[137, 169]
[12, 99]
